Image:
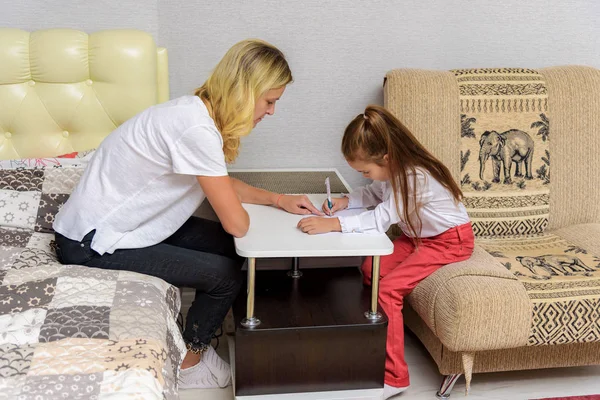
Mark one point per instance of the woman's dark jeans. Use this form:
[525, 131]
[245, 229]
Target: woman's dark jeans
[200, 255]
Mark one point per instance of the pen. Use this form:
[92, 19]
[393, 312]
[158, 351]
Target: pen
[328, 187]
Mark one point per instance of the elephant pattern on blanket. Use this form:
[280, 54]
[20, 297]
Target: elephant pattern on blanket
[562, 281]
[504, 149]
[504, 119]
[555, 264]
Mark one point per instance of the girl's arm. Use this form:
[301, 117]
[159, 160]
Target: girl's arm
[364, 222]
[373, 221]
[377, 220]
[366, 196]
[385, 214]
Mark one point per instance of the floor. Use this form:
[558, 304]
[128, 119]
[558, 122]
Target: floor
[425, 380]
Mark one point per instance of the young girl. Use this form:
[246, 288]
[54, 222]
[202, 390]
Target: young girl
[132, 209]
[413, 189]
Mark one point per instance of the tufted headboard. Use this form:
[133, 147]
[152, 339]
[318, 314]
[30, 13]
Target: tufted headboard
[64, 90]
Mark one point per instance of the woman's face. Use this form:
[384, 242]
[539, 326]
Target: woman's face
[266, 104]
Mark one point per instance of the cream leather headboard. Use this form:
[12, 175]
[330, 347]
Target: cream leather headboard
[63, 90]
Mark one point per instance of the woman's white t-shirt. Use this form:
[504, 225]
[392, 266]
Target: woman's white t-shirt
[140, 186]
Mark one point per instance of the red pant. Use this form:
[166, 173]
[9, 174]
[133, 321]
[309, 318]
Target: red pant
[400, 272]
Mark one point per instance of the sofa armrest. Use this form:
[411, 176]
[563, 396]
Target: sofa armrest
[474, 305]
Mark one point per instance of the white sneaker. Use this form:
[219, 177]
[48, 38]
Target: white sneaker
[197, 377]
[219, 368]
[210, 373]
[390, 391]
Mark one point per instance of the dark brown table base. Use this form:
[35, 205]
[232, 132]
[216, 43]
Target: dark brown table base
[313, 335]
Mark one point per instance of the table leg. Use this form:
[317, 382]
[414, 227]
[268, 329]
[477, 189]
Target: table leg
[250, 321]
[295, 271]
[373, 314]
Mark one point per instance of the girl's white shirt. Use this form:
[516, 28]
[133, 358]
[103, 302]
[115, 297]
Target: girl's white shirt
[438, 210]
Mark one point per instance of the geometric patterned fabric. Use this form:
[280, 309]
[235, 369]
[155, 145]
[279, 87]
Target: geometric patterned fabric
[70, 331]
[562, 281]
[32, 191]
[504, 160]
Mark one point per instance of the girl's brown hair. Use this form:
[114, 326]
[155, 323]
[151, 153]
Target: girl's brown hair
[376, 133]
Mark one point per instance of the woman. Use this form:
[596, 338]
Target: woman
[132, 209]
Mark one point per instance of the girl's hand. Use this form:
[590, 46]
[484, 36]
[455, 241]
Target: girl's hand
[339, 203]
[315, 225]
[297, 205]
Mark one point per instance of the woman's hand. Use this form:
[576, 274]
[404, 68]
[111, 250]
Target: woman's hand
[315, 225]
[297, 205]
[339, 203]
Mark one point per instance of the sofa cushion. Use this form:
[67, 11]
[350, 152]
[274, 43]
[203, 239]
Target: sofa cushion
[32, 190]
[504, 150]
[65, 90]
[474, 295]
[561, 275]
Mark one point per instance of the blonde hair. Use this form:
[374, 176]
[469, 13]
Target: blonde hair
[376, 133]
[248, 70]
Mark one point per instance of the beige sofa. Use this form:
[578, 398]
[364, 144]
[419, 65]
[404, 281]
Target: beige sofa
[530, 295]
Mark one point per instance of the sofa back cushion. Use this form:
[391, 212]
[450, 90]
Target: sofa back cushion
[63, 90]
[428, 102]
[574, 108]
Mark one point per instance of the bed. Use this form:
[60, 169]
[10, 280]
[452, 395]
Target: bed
[69, 331]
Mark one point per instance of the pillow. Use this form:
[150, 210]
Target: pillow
[32, 190]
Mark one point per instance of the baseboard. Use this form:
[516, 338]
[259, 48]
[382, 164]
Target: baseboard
[367, 394]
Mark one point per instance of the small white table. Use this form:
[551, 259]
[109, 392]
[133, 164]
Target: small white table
[273, 233]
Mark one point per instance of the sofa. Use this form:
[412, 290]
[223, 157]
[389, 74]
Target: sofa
[529, 297]
[69, 331]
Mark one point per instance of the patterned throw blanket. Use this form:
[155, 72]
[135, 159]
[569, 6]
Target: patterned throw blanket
[69, 331]
[505, 161]
[505, 177]
[562, 281]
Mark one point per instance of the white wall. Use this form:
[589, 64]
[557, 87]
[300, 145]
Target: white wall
[85, 15]
[338, 50]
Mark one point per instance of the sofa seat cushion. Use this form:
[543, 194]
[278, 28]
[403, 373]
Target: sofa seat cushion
[560, 272]
[465, 305]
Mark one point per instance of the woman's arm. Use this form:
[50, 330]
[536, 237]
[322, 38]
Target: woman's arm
[250, 194]
[224, 200]
[293, 204]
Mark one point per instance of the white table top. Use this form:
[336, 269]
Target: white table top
[273, 233]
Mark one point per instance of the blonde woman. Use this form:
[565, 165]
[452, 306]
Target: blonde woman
[132, 209]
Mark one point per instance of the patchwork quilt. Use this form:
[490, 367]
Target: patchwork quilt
[69, 331]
